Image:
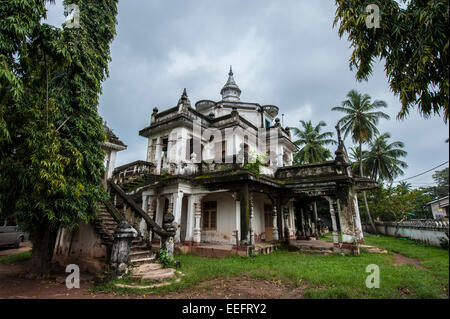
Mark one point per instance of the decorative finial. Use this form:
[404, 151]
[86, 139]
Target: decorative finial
[184, 100]
[231, 71]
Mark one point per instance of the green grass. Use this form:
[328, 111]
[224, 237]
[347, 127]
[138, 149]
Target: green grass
[325, 276]
[16, 258]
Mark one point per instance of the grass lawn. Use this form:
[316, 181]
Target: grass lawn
[19, 257]
[332, 276]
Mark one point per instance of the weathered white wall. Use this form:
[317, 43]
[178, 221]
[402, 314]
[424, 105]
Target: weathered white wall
[429, 236]
[226, 219]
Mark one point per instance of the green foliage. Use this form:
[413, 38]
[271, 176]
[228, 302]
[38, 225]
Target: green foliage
[443, 242]
[396, 203]
[442, 185]
[413, 42]
[381, 161]
[254, 166]
[165, 259]
[16, 258]
[361, 118]
[313, 142]
[51, 161]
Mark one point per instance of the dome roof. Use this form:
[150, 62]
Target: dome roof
[230, 91]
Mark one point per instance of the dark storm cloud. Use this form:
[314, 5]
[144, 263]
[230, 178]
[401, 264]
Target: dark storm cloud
[283, 52]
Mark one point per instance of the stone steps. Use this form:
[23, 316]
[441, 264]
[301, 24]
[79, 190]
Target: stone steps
[141, 261]
[153, 272]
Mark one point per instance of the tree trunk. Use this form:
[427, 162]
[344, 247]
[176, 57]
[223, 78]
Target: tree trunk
[40, 256]
[374, 229]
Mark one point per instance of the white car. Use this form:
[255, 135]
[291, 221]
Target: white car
[11, 236]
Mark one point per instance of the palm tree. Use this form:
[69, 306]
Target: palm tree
[360, 121]
[381, 161]
[313, 141]
[355, 158]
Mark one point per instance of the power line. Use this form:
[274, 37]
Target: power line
[421, 173]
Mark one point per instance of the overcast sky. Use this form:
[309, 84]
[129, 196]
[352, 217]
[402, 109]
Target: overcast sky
[285, 53]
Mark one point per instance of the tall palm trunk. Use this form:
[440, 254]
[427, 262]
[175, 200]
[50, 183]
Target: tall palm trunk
[374, 229]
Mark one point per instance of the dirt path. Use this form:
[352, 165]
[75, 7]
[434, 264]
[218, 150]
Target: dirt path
[240, 287]
[25, 246]
[400, 259]
[13, 286]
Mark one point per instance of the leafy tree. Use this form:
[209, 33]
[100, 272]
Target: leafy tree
[389, 203]
[441, 178]
[413, 41]
[355, 158]
[313, 142]
[51, 164]
[381, 161]
[360, 120]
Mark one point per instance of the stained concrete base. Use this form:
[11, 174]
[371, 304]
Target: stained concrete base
[220, 250]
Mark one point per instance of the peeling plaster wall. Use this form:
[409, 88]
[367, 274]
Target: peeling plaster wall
[81, 246]
[226, 220]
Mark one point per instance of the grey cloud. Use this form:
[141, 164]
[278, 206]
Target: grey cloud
[283, 52]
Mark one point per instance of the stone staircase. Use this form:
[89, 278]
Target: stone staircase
[105, 225]
[144, 264]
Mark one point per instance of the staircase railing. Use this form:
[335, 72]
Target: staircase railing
[113, 211]
[114, 188]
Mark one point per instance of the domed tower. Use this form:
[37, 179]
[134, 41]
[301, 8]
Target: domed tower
[230, 91]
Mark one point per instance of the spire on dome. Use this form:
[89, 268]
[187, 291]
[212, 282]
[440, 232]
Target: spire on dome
[230, 91]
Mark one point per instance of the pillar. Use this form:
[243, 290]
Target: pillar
[190, 220]
[151, 206]
[197, 220]
[347, 222]
[143, 229]
[358, 225]
[316, 222]
[120, 251]
[245, 215]
[302, 223]
[238, 217]
[274, 222]
[251, 221]
[333, 223]
[177, 202]
[158, 157]
[158, 215]
[285, 211]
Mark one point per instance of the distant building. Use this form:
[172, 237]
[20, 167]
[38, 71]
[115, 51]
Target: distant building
[439, 208]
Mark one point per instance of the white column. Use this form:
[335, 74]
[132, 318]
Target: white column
[197, 218]
[143, 224]
[287, 233]
[238, 218]
[190, 222]
[358, 226]
[158, 151]
[177, 203]
[149, 150]
[333, 223]
[251, 223]
[159, 213]
[275, 236]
